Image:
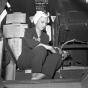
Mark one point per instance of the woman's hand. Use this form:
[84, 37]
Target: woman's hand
[58, 49]
[53, 50]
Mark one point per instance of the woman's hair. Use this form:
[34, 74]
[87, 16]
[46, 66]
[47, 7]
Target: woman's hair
[37, 16]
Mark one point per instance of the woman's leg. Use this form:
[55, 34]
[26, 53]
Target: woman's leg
[52, 62]
[24, 60]
[38, 57]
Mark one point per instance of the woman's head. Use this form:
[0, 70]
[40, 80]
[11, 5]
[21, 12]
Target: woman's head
[40, 20]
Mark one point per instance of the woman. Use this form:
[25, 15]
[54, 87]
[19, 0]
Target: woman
[35, 50]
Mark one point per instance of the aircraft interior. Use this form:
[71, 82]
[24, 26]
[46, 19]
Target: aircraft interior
[67, 29]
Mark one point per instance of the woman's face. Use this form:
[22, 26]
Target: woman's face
[41, 23]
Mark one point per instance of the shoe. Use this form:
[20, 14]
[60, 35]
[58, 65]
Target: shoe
[38, 76]
[33, 75]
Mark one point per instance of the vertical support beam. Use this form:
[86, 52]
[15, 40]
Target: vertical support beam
[1, 51]
[2, 5]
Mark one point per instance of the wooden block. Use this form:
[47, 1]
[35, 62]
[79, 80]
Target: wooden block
[21, 75]
[16, 17]
[14, 30]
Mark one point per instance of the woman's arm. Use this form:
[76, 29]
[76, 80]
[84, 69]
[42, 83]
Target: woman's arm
[47, 47]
